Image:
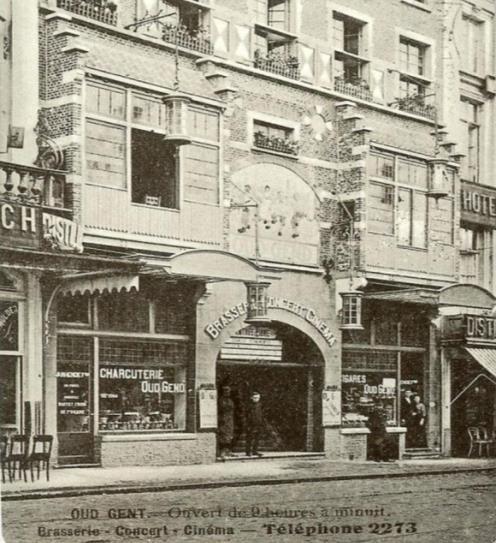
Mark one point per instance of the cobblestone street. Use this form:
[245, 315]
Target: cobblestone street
[453, 508]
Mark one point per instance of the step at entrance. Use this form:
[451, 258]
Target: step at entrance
[420, 454]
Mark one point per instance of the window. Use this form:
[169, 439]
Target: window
[74, 310]
[398, 202]
[414, 72]
[8, 390]
[274, 13]
[471, 113]
[154, 175]
[348, 38]
[142, 386]
[476, 252]
[274, 137]
[472, 46]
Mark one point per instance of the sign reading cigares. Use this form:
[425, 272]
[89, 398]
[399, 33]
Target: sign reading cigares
[478, 204]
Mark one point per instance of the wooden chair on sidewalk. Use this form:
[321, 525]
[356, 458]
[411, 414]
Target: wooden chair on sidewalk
[4, 456]
[479, 437]
[18, 455]
[40, 455]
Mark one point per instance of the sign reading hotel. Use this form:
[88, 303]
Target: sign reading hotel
[215, 328]
[30, 227]
[478, 204]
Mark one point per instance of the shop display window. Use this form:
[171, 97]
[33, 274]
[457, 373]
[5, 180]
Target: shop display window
[74, 310]
[367, 379]
[8, 390]
[124, 312]
[9, 326]
[142, 386]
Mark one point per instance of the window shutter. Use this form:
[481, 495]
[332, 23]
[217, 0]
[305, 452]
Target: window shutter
[220, 36]
[377, 84]
[242, 42]
[307, 63]
[325, 79]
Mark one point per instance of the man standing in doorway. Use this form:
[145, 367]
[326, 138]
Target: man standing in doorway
[407, 416]
[253, 424]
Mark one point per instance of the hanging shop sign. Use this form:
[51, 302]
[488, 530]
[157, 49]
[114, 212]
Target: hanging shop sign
[471, 328]
[9, 326]
[215, 328]
[478, 204]
[331, 406]
[30, 227]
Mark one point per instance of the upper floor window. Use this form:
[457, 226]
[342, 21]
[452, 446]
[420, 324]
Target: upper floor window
[350, 65]
[472, 46]
[412, 57]
[470, 119]
[398, 202]
[274, 138]
[125, 148]
[274, 13]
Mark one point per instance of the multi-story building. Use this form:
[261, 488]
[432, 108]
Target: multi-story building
[249, 177]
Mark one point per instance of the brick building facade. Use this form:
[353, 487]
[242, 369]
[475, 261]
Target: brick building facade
[316, 166]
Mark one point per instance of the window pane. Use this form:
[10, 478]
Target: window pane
[201, 174]
[381, 210]
[204, 124]
[148, 111]
[381, 166]
[105, 100]
[419, 215]
[9, 326]
[404, 216]
[125, 312]
[142, 386]
[105, 154]
[8, 389]
[442, 221]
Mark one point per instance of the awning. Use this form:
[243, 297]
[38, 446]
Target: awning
[92, 284]
[485, 357]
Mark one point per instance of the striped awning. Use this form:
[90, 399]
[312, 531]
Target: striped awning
[115, 282]
[486, 357]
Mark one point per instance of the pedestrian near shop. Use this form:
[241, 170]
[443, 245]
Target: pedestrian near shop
[419, 416]
[254, 421]
[226, 422]
[407, 406]
[378, 439]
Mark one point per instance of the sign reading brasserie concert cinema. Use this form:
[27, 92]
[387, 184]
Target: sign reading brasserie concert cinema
[30, 227]
[215, 328]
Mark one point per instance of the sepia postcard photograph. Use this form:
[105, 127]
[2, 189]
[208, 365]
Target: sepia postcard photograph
[248, 271]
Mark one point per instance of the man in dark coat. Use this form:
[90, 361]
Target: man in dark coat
[254, 420]
[225, 431]
[407, 416]
[378, 438]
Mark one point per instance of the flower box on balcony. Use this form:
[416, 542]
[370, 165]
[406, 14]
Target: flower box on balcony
[197, 40]
[104, 11]
[274, 143]
[287, 66]
[357, 88]
[416, 105]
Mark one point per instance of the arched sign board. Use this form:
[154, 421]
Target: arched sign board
[277, 206]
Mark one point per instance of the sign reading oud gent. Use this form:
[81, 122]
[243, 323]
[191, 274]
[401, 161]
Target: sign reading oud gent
[215, 328]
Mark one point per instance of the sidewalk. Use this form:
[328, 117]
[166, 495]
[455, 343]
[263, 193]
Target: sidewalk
[86, 481]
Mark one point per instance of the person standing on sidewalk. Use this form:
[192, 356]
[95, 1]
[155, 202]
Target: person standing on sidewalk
[378, 438]
[225, 432]
[407, 416]
[254, 420]
[419, 417]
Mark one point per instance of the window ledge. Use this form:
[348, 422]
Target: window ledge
[160, 208]
[410, 248]
[129, 437]
[353, 431]
[418, 5]
[276, 153]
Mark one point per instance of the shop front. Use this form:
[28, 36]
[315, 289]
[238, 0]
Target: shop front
[469, 344]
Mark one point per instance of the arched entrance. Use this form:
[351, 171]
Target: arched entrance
[287, 368]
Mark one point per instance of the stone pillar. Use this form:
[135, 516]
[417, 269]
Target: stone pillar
[445, 403]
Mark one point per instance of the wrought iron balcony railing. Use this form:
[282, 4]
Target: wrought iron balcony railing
[274, 143]
[277, 63]
[104, 11]
[197, 40]
[358, 88]
[417, 105]
[33, 185]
